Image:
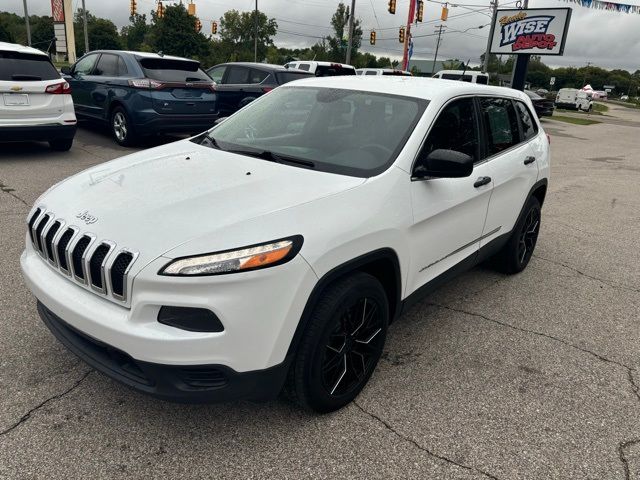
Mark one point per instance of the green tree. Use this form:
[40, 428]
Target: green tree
[5, 34]
[337, 43]
[133, 35]
[42, 35]
[103, 34]
[237, 31]
[175, 34]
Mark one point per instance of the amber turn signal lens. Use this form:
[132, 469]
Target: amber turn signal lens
[267, 258]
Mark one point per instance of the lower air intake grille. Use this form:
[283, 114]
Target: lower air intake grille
[118, 272]
[95, 265]
[203, 377]
[76, 256]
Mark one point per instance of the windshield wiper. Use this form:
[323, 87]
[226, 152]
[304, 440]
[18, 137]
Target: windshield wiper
[273, 157]
[210, 141]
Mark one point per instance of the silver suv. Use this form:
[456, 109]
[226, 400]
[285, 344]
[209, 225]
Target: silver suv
[36, 103]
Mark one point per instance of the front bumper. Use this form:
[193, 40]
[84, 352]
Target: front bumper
[186, 384]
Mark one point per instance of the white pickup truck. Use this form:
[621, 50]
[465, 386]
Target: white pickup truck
[574, 99]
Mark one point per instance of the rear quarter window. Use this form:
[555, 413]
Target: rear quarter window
[333, 71]
[170, 70]
[529, 126]
[18, 66]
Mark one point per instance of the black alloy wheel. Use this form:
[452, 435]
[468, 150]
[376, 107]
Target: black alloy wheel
[529, 236]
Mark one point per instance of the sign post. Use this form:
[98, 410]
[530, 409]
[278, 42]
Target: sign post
[62, 13]
[526, 32]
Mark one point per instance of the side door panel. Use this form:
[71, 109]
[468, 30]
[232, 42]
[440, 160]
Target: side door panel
[511, 169]
[449, 213]
[79, 86]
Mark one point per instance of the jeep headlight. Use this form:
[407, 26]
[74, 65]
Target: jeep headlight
[242, 259]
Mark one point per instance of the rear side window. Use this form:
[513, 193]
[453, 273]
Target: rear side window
[501, 124]
[26, 67]
[481, 79]
[238, 75]
[529, 126]
[286, 77]
[371, 72]
[257, 76]
[107, 65]
[122, 67]
[170, 70]
[455, 129]
[304, 66]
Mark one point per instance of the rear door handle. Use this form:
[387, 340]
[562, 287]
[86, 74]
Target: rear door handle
[529, 160]
[482, 181]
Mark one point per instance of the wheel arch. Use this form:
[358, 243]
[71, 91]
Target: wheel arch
[383, 264]
[539, 190]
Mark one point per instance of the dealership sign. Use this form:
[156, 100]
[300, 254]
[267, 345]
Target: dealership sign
[537, 31]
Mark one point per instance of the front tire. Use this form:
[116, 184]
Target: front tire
[342, 344]
[122, 128]
[515, 255]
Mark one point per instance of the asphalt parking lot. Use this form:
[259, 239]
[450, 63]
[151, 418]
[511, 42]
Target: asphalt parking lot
[534, 376]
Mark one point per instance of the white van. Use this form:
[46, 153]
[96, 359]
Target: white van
[323, 69]
[383, 71]
[464, 75]
[574, 99]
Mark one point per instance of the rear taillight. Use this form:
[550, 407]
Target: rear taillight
[146, 83]
[58, 88]
[212, 87]
[267, 89]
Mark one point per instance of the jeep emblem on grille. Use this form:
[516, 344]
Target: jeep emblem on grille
[86, 217]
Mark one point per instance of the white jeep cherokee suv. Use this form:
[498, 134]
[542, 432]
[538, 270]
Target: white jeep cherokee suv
[36, 103]
[276, 248]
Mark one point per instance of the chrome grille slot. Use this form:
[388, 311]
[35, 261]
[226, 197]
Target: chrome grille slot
[61, 248]
[32, 222]
[77, 260]
[48, 240]
[96, 266]
[41, 224]
[119, 271]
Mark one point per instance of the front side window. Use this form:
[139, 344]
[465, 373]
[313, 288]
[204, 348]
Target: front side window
[340, 131]
[501, 124]
[85, 65]
[217, 73]
[529, 126]
[304, 66]
[455, 129]
[238, 75]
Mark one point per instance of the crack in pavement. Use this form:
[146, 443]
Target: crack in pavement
[621, 453]
[7, 189]
[612, 285]
[420, 447]
[27, 415]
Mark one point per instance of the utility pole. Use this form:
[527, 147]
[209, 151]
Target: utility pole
[351, 20]
[26, 20]
[86, 32]
[407, 35]
[435, 58]
[584, 80]
[255, 35]
[494, 17]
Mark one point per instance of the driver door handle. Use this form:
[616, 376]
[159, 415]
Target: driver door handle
[482, 181]
[529, 160]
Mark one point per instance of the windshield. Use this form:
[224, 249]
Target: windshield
[333, 130]
[26, 67]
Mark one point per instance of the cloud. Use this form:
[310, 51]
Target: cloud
[607, 39]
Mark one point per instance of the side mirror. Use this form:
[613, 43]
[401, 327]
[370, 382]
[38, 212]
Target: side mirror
[66, 70]
[220, 120]
[444, 164]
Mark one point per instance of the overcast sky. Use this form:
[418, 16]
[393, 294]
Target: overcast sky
[608, 39]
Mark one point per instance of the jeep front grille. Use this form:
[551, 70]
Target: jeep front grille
[98, 265]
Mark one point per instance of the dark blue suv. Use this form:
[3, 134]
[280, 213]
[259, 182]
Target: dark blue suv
[140, 94]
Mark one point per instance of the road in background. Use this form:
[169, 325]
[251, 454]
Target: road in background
[533, 376]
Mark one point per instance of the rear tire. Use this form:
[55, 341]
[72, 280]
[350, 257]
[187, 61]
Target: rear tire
[122, 128]
[61, 144]
[342, 344]
[515, 255]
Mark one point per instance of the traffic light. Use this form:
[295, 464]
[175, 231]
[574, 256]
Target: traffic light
[372, 37]
[420, 14]
[160, 10]
[392, 7]
[214, 27]
[134, 7]
[191, 8]
[198, 25]
[445, 13]
[401, 35]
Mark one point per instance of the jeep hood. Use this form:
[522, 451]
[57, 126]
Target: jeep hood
[155, 200]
